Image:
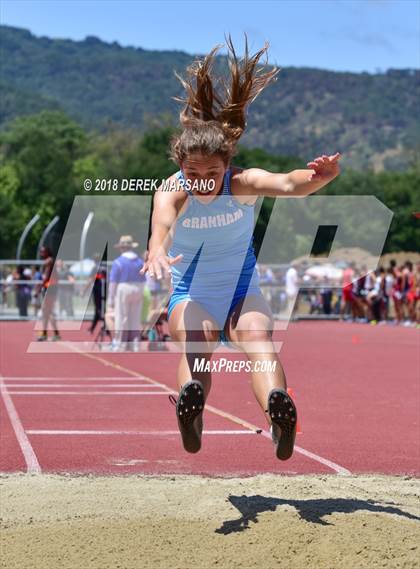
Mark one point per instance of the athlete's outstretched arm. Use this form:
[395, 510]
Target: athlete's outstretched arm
[165, 211]
[297, 183]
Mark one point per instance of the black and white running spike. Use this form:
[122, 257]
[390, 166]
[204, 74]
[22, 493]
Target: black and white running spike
[283, 414]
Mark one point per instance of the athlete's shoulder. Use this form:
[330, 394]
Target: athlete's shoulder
[171, 190]
[240, 185]
[174, 181]
[169, 200]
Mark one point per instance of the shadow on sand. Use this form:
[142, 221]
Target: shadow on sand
[308, 510]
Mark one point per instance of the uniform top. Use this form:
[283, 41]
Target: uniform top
[215, 239]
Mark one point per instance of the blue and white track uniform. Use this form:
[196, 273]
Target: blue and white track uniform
[218, 264]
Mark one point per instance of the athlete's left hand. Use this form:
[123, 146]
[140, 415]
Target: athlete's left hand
[326, 167]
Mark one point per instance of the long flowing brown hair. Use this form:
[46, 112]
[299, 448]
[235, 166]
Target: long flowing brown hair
[214, 114]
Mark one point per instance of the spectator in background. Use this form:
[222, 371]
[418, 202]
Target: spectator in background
[281, 299]
[397, 293]
[36, 298]
[416, 303]
[369, 293]
[22, 290]
[359, 296]
[326, 296]
[125, 294]
[291, 287]
[375, 296]
[315, 302]
[266, 274]
[3, 286]
[371, 277]
[347, 291]
[7, 288]
[97, 278]
[65, 289]
[279, 275]
[49, 291]
[410, 293]
[388, 288]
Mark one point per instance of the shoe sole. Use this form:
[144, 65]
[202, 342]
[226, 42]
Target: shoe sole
[283, 416]
[189, 412]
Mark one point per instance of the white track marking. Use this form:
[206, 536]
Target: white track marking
[88, 392]
[335, 467]
[32, 464]
[65, 347]
[135, 433]
[339, 469]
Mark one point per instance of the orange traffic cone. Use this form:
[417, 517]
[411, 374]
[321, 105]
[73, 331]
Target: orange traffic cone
[292, 395]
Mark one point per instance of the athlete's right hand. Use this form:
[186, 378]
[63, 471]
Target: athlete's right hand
[159, 265]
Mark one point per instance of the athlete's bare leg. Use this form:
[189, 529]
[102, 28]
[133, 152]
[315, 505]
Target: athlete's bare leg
[196, 332]
[249, 328]
[48, 315]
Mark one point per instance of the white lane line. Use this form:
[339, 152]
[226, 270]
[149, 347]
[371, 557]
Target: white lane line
[333, 465]
[88, 392]
[136, 433]
[229, 416]
[32, 464]
[24, 385]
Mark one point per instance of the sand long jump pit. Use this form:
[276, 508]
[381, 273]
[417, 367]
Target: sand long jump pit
[174, 522]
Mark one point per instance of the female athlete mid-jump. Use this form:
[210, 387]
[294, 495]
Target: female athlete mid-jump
[202, 236]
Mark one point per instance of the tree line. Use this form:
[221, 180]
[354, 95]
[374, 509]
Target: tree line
[46, 157]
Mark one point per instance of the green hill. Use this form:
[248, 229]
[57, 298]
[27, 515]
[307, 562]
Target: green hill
[371, 118]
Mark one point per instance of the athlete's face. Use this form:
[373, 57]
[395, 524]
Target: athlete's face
[205, 173]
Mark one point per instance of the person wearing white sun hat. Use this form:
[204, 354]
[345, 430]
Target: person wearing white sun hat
[125, 294]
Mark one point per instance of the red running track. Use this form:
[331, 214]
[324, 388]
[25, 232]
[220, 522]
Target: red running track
[356, 388]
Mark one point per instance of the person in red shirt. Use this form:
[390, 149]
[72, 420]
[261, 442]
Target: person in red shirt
[411, 290]
[347, 291]
[397, 291]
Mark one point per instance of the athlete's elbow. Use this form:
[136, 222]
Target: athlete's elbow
[288, 185]
[289, 188]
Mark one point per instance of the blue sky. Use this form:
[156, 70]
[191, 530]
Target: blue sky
[341, 35]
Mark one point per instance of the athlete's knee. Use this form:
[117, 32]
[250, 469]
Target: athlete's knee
[211, 333]
[254, 334]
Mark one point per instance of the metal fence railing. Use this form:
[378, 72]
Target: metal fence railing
[20, 298]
